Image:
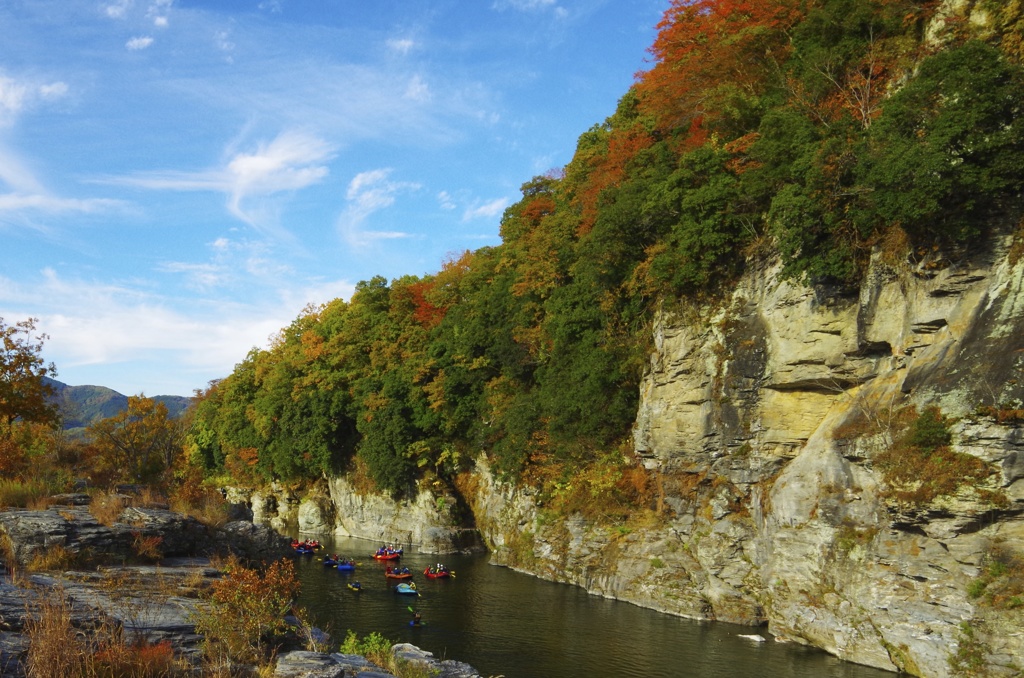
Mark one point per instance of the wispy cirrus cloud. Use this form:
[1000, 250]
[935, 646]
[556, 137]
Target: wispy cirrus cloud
[523, 5]
[290, 162]
[156, 11]
[26, 194]
[400, 45]
[19, 94]
[368, 193]
[486, 210]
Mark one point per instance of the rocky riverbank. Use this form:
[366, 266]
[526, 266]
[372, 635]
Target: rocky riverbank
[101, 584]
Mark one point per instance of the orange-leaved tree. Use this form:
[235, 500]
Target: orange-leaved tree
[246, 611]
[711, 58]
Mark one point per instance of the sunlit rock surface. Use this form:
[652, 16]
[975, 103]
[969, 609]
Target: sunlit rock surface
[759, 421]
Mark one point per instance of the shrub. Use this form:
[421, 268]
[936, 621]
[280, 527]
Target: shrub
[920, 466]
[146, 548]
[244, 618]
[377, 649]
[1001, 583]
[374, 647]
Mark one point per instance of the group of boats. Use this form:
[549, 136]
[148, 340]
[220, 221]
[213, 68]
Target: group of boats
[387, 552]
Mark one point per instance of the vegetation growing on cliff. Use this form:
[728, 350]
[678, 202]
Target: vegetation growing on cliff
[813, 130]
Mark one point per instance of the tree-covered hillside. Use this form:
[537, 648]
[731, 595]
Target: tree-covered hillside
[81, 406]
[818, 131]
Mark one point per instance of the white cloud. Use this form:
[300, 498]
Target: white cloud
[118, 10]
[445, 200]
[223, 41]
[290, 162]
[54, 90]
[402, 46]
[417, 90]
[485, 211]
[15, 202]
[139, 43]
[158, 11]
[102, 324]
[27, 194]
[13, 95]
[16, 95]
[368, 193]
[200, 276]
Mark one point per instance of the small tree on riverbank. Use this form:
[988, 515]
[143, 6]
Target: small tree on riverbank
[244, 618]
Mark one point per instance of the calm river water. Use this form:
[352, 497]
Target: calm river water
[509, 624]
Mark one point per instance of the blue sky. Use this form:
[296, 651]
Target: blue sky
[178, 179]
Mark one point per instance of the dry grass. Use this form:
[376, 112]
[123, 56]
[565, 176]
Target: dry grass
[52, 558]
[18, 493]
[1001, 584]
[208, 507]
[147, 549]
[57, 649]
[921, 466]
[107, 507]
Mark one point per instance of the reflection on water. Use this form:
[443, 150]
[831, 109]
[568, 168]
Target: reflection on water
[517, 626]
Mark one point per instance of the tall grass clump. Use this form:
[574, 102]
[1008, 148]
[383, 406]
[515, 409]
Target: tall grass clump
[107, 507]
[23, 493]
[58, 649]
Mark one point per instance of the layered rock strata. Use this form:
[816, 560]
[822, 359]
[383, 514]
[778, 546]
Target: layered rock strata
[761, 420]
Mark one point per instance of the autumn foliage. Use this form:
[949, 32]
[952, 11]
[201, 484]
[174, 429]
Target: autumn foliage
[808, 131]
[711, 59]
[246, 611]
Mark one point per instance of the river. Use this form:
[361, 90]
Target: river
[509, 624]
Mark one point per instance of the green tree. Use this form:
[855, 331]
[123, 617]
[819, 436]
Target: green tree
[139, 443]
[24, 393]
[947, 151]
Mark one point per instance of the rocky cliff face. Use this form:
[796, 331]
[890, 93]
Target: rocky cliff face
[764, 421]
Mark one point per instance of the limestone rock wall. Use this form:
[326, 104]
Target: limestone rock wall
[431, 522]
[761, 419]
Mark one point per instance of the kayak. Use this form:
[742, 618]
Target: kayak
[408, 589]
[355, 586]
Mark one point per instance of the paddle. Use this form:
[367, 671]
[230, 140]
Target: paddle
[415, 622]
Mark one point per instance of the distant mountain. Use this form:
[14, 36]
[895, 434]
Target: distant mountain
[81, 406]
